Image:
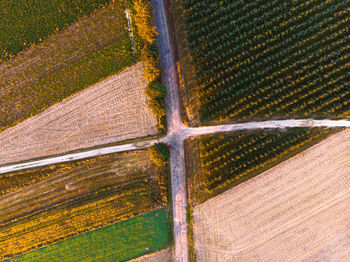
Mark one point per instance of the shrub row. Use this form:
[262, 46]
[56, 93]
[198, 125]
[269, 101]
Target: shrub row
[156, 91]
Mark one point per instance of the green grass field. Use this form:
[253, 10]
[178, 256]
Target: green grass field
[118, 242]
[25, 22]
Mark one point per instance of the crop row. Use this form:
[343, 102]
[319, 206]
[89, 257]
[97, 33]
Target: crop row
[65, 63]
[118, 242]
[78, 197]
[27, 22]
[266, 58]
[225, 160]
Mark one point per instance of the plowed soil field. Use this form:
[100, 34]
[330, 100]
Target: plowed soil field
[112, 110]
[297, 211]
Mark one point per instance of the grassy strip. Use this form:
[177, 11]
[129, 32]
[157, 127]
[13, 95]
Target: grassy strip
[204, 179]
[11, 182]
[138, 42]
[76, 77]
[117, 242]
[190, 236]
[27, 22]
[63, 83]
[76, 197]
[185, 68]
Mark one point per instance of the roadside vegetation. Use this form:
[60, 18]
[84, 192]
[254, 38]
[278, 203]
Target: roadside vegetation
[159, 154]
[27, 22]
[266, 59]
[118, 242]
[88, 51]
[143, 25]
[216, 163]
[72, 198]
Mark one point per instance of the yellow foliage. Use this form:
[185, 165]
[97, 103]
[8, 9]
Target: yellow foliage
[143, 20]
[151, 71]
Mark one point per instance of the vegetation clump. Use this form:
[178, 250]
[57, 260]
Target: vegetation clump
[159, 154]
[156, 90]
[152, 68]
[144, 21]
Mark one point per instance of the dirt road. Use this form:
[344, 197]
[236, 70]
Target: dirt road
[80, 155]
[205, 130]
[177, 159]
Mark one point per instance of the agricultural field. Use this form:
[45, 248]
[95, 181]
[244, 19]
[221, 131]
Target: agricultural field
[216, 162]
[296, 211]
[255, 60]
[84, 53]
[164, 255]
[112, 110]
[42, 206]
[117, 242]
[27, 22]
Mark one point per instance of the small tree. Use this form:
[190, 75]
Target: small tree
[159, 154]
[156, 90]
[144, 21]
[151, 71]
[158, 107]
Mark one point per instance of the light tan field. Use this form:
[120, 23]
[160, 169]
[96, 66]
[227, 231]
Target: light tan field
[112, 110]
[297, 211]
[164, 255]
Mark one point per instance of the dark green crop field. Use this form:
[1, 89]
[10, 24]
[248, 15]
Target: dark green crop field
[262, 59]
[118, 242]
[26, 22]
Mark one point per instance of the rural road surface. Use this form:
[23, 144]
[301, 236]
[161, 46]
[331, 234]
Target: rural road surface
[177, 158]
[80, 155]
[183, 133]
[205, 130]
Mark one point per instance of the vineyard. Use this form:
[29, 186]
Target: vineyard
[225, 161]
[263, 59]
[42, 206]
[117, 242]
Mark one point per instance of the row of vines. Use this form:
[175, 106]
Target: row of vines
[257, 59]
[227, 160]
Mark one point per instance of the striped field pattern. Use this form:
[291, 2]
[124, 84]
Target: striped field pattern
[263, 59]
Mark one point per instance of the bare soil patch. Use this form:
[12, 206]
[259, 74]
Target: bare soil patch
[164, 255]
[112, 110]
[297, 211]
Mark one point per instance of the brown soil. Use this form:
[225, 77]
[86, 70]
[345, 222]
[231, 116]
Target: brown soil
[297, 211]
[112, 110]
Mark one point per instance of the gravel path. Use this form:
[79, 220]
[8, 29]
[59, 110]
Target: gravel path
[177, 159]
[80, 155]
[205, 130]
